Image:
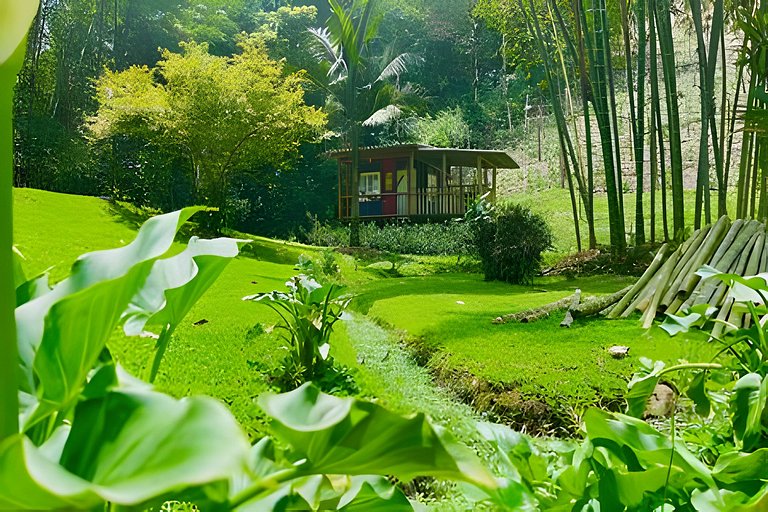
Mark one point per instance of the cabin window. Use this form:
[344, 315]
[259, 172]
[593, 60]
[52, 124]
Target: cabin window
[370, 183]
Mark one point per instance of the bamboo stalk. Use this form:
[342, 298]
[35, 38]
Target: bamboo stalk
[741, 255]
[652, 309]
[736, 317]
[642, 300]
[641, 283]
[703, 255]
[720, 294]
[764, 258]
[687, 261]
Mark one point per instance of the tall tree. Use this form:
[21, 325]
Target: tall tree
[225, 114]
[358, 80]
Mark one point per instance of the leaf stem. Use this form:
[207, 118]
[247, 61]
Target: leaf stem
[9, 400]
[692, 366]
[162, 345]
[269, 483]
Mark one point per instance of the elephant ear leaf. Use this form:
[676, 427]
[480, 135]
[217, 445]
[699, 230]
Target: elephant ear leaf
[62, 333]
[176, 283]
[126, 448]
[698, 393]
[347, 436]
[747, 406]
[642, 385]
[134, 445]
[16, 18]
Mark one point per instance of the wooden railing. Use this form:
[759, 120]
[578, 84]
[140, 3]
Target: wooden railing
[427, 201]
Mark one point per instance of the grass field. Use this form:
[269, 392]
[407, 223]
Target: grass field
[226, 355]
[570, 368]
[555, 206]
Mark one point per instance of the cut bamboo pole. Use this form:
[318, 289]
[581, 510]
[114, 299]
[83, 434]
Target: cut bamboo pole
[728, 254]
[717, 236]
[641, 283]
[650, 312]
[643, 298]
[687, 260]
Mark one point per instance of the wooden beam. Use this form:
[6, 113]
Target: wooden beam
[339, 202]
[493, 190]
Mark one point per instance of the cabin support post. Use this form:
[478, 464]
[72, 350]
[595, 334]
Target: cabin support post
[493, 190]
[478, 176]
[340, 190]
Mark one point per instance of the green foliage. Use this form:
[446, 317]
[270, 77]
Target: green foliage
[156, 449]
[227, 115]
[309, 311]
[449, 238]
[447, 130]
[510, 242]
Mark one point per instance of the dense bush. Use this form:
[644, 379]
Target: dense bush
[449, 238]
[510, 241]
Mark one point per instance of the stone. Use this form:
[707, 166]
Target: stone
[661, 402]
[618, 351]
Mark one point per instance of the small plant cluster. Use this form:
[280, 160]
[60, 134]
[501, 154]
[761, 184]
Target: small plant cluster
[509, 240]
[402, 237]
[309, 311]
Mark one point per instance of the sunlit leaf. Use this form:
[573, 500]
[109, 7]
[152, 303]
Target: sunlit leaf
[347, 436]
[747, 406]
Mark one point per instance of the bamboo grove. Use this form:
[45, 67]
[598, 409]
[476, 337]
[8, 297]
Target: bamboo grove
[591, 50]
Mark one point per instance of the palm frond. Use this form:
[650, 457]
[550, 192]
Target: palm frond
[399, 66]
[333, 53]
[383, 116]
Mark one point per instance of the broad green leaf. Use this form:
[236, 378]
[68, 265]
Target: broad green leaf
[62, 333]
[347, 436]
[743, 289]
[31, 481]
[19, 278]
[15, 18]
[176, 283]
[625, 436]
[134, 445]
[373, 494]
[718, 500]
[735, 467]
[32, 289]
[747, 406]
[698, 393]
[641, 387]
[697, 316]
[126, 447]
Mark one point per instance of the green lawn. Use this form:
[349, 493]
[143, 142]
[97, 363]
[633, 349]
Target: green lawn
[566, 367]
[555, 206]
[218, 358]
[225, 356]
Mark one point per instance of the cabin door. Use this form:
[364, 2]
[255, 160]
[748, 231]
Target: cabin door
[402, 192]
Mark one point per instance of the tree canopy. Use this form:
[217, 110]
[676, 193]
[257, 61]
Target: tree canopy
[226, 114]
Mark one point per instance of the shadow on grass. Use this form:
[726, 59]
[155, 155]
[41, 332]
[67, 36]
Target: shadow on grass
[261, 249]
[474, 285]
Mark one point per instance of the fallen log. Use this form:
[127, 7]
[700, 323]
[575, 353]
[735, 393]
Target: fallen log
[594, 305]
[531, 315]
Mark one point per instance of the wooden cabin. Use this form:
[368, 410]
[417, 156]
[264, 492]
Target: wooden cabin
[416, 180]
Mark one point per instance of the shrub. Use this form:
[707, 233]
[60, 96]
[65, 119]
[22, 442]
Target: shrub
[509, 241]
[400, 237]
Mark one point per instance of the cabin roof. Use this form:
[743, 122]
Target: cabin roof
[434, 156]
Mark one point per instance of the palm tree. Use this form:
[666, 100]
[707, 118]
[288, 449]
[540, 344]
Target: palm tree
[358, 82]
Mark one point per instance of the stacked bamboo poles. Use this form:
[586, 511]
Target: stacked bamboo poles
[670, 285]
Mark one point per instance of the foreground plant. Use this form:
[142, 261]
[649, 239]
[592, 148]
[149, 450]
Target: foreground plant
[309, 312]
